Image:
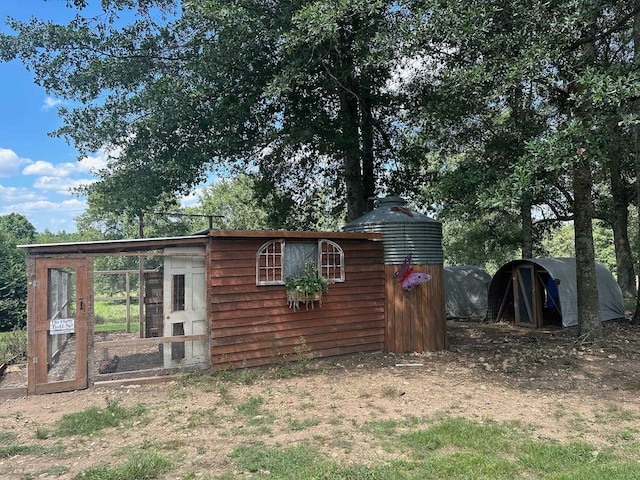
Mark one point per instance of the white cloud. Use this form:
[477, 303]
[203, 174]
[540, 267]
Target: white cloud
[10, 162]
[60, 185]
[14, 194]
[92, 164]
[193, 198]
[85, 165]
[64, 208]
[45, 214]
[50, 102]
[41, 167]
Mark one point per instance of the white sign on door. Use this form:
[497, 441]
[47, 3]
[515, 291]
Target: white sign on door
[59, 326]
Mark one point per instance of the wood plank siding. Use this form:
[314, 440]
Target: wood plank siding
[416, 319]
[252, 325]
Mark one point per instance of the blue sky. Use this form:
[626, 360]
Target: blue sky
[36, 170]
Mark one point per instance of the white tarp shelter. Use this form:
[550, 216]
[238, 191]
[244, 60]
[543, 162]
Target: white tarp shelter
[465, 292]
[540, 291]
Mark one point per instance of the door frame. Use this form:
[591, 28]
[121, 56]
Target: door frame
[39, 324]
[526, 301]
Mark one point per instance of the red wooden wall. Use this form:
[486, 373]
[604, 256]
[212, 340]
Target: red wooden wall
[252, 325]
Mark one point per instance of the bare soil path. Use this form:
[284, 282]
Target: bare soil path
[548, 380]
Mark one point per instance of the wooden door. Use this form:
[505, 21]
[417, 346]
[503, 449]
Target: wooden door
[184, 306]
[59, 334]
[525, 296]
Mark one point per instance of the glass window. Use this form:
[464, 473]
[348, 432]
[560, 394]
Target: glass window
[272, 265]
[330, 261]
[178, 292]
[269, 263]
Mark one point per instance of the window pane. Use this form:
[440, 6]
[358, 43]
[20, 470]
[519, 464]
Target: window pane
[269, 263]
[178, 292]
[298, 254]
[331, 261]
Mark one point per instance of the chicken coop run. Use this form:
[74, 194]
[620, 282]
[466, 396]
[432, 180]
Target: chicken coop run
[209, 301]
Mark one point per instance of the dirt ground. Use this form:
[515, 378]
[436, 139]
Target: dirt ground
[549, 380]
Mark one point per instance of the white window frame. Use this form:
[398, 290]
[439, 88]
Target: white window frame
[330, 261]
[271, 271]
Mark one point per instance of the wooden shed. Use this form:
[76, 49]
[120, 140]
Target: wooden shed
[215, 300]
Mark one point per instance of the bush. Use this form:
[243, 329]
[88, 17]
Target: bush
[13, 346]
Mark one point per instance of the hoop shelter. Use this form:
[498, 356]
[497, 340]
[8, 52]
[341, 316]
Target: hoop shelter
[465, 292]
[543, 291]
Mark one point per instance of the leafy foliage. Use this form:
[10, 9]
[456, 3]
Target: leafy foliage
[13, 272]
[506, 118]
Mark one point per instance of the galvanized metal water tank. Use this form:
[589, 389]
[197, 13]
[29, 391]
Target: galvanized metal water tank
[403, 230]
[415, 319]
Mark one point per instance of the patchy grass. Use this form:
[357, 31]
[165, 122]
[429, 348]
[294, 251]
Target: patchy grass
[94, 419]
[143, 465]
[453, 448]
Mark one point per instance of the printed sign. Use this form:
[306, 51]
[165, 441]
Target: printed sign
[61, 325]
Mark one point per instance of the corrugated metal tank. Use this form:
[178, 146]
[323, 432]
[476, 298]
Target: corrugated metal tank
[404, 232]
[415, 319]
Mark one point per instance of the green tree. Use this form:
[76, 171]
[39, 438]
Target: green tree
[232, 205]
[14, 229]
[17, 228]
[296, 89]
[558, 66]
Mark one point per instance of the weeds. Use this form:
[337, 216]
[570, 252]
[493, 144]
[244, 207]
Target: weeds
[94, 419]
[139, 466]
[13, 346]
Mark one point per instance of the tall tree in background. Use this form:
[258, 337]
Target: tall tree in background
[633, 121]
[480, 105]
[232, 205]
[14, 229]
[296, 89]
[506, 115]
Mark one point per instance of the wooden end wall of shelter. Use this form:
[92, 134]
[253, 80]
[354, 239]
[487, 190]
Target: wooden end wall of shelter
[415, 319]
[253, 325]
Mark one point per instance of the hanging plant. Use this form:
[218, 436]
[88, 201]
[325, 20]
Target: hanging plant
[305, 288]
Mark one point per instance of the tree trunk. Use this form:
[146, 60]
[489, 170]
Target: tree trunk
[527, 226]
[368, 156]
[619, 221]
[140, 225]
[587, 288]
[635, 132]
[356, 201]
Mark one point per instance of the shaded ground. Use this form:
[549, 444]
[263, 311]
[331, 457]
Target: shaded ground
[550, 380]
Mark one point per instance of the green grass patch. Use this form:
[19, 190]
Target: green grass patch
[7, 451]
[94, 419]
[484, 439]
[110, 316]
[139, 466]
[298, 425]
[303, 463]
[134, 327]
[451, 448]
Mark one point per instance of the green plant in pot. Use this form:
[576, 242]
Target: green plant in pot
[306, 287]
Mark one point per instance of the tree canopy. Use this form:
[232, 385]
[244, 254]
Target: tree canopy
[506, 118]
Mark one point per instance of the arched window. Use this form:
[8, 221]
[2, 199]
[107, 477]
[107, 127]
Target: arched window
[272, 265]
[330, 261]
